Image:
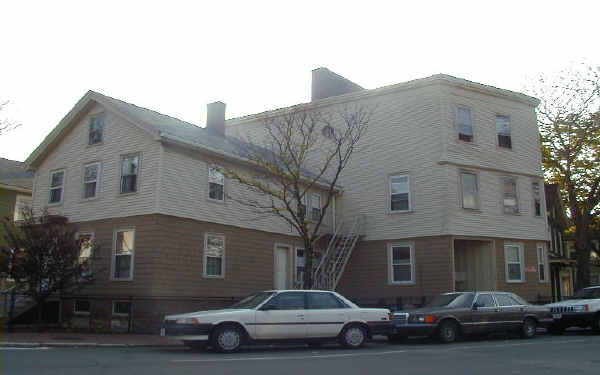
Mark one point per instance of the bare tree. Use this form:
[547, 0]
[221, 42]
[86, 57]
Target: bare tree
[5, 124]
[569, 123]
[303, 151]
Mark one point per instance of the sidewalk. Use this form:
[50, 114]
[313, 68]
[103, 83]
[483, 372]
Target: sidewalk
[65, 339]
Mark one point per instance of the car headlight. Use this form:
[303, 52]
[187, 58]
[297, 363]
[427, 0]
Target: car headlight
[187, 321]
[416, 318]
[581, 308]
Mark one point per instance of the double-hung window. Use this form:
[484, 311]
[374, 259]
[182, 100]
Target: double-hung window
[509, 198]
[401, 263]
[86, 241]
[302, 206]
[399, 187]
[81, 307]
[316, 207]
[91, 179]
[537, 201]
[130, 168]
[464, 121]
[300, 262]
[214, 255]
[96, 129]
[513, 255]
[216, 184]
[124, 249]
[470, 193]
[503, 131]
[57, 183]
[121, 308]
[542, 262]
[22, 204]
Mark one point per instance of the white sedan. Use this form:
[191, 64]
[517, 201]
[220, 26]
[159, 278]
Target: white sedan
[311, 316]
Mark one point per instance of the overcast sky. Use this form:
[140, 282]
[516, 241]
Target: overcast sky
[174, 57]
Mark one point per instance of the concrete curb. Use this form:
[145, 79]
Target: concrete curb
[80, 344]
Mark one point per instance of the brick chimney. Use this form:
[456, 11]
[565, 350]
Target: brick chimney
[326, 83]
[215, 118]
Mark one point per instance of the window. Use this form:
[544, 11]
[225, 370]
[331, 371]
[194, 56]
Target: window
[513, 254]
[22, 204]
[503, 131]
[485, 300]
[129, 173]
[401, 264]
[537, 202]
[469, 190]
[122, 308]
[86, 241]
[91, 177]
[464, 121]
[316, 207]
[216, 184]
[510, 201]
[399, 193]
[96, 129]
[542, 263]
[505, 300]
[300, 262]
[287, 301]
[214, 255]
[82, 307]
[57, 181]
[322, 300]
[123, 255]
[302, 206]
[328, 131]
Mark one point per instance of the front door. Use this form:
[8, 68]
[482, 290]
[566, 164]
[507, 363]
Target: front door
[283, 317]
[282, 267]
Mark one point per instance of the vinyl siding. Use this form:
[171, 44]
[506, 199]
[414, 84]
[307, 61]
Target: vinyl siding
[73, 152]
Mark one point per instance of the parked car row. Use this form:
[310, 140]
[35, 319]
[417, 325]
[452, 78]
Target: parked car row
[316, 317]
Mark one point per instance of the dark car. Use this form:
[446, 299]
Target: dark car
[451, 315]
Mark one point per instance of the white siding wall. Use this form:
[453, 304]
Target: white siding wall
[73, 152]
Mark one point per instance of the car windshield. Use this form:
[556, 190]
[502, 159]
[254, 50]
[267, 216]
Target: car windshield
[587, 293]
[452, 300]
[252, 301]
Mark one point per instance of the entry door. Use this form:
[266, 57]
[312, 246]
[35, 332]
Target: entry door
[283, 317]
[282, 268]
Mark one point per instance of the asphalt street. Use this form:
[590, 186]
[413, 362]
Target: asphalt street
[567, 354]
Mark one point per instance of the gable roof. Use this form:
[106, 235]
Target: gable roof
[14, 176]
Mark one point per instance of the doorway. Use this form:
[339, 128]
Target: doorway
[474, 265]
[283, 264]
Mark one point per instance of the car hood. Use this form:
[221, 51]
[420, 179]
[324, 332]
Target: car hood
[432, 310]
[571, 302]
[207, 313]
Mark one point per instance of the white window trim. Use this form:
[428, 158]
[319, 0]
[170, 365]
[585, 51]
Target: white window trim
[457, 125]
[542, 261]
[92, 236]
[204, 256]
[509, 131]
[121, 314]
[114, 255]
[521, 259]
[389, 197]
[101, 114]
[83, 182]
[210, 166]
[390, 260]
[312, 204]
[540, 187]
[139, 173]
[296, 264]
[19, 205]
[517, 198]
[62, 187]
[76, 312]
[460, 180]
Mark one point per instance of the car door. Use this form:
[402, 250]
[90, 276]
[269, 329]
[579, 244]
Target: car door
[511, 313]
[282, 317]
[484, 315]
[326, 314]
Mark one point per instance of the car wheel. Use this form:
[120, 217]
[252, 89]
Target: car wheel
[195, 345]
[353, 336]
[396, 338]
[528, 329]
[227, 339]
[556, 329]
[448, 332]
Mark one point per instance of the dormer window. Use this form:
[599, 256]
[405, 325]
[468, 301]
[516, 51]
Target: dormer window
[96, 129]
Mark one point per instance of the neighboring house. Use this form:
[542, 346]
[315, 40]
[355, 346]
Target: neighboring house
[562, 264]
[15, 191]
[448, 180]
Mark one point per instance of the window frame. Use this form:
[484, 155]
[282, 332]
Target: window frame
[79, 312]
[340, 303]
[96, 190]
[312, 206]
[390, 261]
[503, 192]
[296, 257]
[533, 198]
[138, 178]
[91, 257]
[521, 250]
[20, 205]
[208, 179]
[509, 131]
[114, 255]
[471, 117]
[462, 191]
[205, 256]
[114, 302]
[542, 262]
[92, 117]
[389, 195]
[62, 187]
